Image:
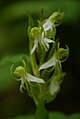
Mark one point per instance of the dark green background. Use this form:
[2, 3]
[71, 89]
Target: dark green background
[14, 43]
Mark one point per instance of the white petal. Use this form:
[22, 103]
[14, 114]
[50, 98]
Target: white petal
[48, 64]
[48, 40]
[34, 79]
[45, 42]
[34, 47]
[47, 45]
[54, 87]
[22, 83]
[47, 25]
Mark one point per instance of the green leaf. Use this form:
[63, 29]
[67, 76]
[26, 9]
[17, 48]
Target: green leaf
[30, 20]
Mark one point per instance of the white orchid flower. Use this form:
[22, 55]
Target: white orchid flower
[40, 38]
[60, 56]
[53, 21]
[25, 77]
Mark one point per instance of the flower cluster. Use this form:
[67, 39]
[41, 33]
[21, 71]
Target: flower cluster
[41, 73]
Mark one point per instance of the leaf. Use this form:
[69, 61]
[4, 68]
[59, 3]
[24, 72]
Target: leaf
[30, 19]
[42, 15]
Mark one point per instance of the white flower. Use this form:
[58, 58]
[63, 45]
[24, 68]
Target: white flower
[35, 46]
[43, 40]
[49, 63]
[25, 77]
[49, 29]
[59, 56]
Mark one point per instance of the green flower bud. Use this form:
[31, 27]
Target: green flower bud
[56, 18]
[35, 32]
[19, 71]
[62, 53]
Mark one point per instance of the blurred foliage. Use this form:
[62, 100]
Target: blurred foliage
[5, 76]
[14, 21]
[55, 115]
[14, 43]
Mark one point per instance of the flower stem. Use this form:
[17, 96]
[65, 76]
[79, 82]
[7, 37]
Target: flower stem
[41, 112]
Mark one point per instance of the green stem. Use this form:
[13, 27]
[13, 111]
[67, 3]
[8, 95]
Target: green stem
[41, 112]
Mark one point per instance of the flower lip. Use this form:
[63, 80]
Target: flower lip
[48, 64]
[32, 78]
